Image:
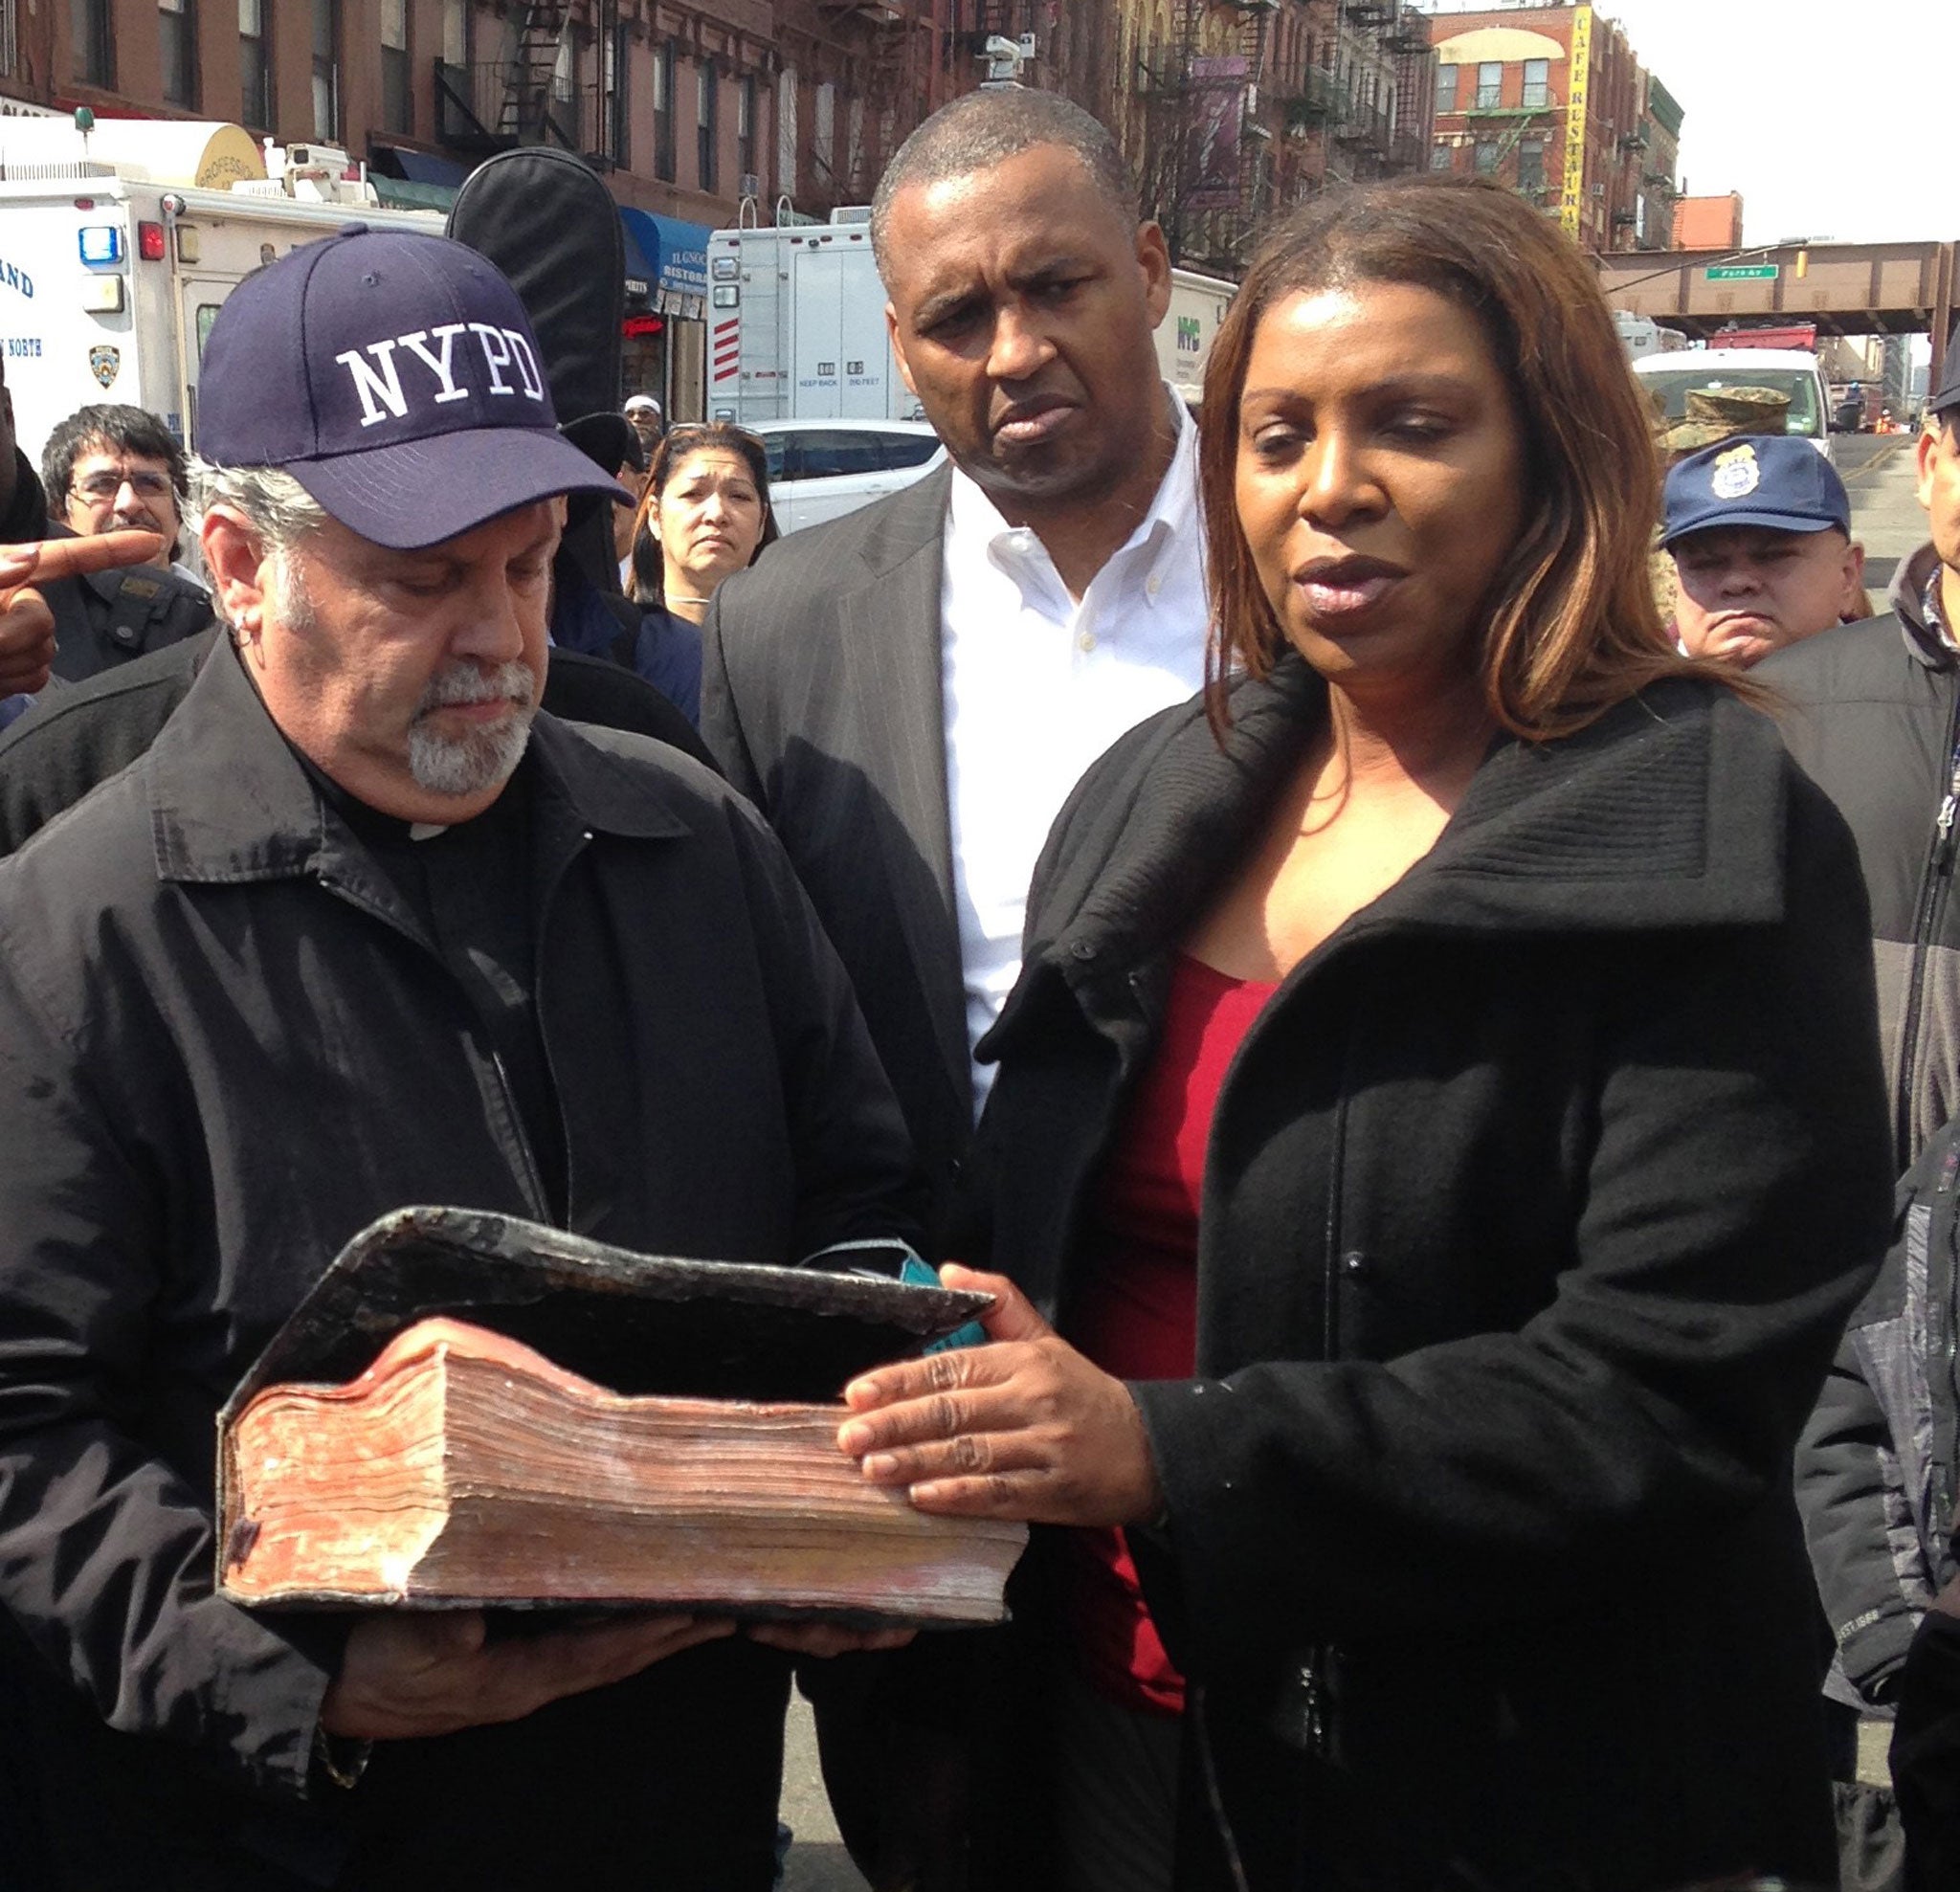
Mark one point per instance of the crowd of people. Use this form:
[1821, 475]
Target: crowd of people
[1388, 1012]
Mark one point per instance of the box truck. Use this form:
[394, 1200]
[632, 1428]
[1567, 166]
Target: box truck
[119, 245]
[796, 327]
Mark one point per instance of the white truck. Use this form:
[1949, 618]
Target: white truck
[119, 245]
[1640, 336]
[796, 327]
[1793, 372]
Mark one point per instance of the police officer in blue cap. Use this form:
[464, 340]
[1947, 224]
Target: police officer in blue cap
[1759, 527]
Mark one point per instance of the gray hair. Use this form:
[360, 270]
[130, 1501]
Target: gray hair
[280, 510]
[983, 129]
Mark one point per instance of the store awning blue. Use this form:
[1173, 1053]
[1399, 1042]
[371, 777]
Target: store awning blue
[639, 266]
[425, 167]
[676, 253]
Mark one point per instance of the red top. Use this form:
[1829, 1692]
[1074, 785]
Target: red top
[1136, 1313]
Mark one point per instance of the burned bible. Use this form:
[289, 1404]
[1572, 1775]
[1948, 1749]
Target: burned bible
[470, 1410]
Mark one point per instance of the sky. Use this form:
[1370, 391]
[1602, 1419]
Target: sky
[1833, 118]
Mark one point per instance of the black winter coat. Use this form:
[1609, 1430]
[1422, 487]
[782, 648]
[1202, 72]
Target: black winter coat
[1534, 1205]
[226, 1044]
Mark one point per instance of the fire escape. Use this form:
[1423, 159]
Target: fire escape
[538, 95]
[866, 75]
[1207, 163]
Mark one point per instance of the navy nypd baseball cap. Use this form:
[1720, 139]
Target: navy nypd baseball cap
[1773, 480]
[396, 378]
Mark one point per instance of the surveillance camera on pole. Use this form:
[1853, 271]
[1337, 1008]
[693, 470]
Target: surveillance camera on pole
[1004, 59]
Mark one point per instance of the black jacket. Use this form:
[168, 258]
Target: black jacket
[820, 697]
[1877, 1464]
[1534, 1202]
[229, 1045]
[1874, 719]
[74, 738]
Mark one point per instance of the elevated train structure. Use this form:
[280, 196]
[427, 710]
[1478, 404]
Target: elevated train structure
[1841, 289]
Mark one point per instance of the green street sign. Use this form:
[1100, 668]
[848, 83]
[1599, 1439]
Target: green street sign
[1745, 273]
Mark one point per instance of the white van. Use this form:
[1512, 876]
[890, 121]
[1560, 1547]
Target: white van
[1792, 371]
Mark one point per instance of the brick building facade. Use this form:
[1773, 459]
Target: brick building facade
[1552, 100]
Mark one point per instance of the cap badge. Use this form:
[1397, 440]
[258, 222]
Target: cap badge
[1736, 472]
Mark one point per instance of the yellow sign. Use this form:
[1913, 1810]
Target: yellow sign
[1573, 203]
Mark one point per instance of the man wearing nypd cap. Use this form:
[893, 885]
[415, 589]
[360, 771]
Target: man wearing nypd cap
[363, 928]
[1760, 532]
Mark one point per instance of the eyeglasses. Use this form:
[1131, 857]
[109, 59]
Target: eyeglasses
[101, 486]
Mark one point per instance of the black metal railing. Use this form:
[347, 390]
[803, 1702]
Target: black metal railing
[493, 106]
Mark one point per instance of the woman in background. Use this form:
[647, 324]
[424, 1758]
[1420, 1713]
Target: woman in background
[1440, 1115]
[705, 513]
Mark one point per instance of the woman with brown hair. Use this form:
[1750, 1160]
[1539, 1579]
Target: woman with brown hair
[1440, 1114]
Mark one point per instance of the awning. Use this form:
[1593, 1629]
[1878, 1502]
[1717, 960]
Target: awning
[639, 266]
[675, 255]
[402, 196]
[422, 166]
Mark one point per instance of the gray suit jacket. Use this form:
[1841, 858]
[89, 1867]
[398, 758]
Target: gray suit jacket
[821, 700]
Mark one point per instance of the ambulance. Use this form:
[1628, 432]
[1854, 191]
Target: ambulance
[120, 242]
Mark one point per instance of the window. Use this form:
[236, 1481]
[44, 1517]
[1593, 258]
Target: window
[1537, 84]
[1446, 88]
[255, 64]
[745, 130]
[456, 33]
[95, 50]
[1440, 156]
[177, 33]
[397, 94]
[823, 134]
[903, 450]
[663, 111]
[327, 68]
[1531, 166]
[1486, 157]
[707, 83]
[1490, 85]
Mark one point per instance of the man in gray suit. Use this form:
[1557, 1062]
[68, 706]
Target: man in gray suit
[909, 693]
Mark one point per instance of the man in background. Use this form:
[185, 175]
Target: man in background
[909, 693]
[1759, 529]
[643, 413]
[112, 468]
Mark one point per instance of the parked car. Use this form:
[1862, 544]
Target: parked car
[822, 469]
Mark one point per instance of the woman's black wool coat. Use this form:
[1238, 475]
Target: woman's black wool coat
[1533, 1206]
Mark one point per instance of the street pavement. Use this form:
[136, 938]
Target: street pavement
[1885, 515]
[818, 1861]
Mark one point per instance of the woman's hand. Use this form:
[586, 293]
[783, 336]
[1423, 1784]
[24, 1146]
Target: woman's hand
[1025, 1428]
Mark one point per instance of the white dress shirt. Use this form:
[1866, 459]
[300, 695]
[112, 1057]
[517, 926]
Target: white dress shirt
[1037, 684]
